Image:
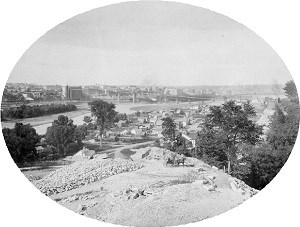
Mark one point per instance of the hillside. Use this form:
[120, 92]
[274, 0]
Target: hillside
[144, 191]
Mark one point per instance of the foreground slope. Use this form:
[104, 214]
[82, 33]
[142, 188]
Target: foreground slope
[144, 191]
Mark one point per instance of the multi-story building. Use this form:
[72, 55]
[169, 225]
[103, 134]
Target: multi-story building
[72, 93]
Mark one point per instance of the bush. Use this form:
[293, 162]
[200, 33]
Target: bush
[265, 164]
[157, 143]
[21, 142]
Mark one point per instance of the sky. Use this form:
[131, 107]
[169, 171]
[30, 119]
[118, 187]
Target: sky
[150, 43]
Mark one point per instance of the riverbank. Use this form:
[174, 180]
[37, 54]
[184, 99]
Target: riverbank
[172, 105]
[42, 123]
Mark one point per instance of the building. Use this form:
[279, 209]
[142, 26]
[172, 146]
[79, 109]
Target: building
[137, 132]
[121, 123]
[171, 91]
[143, 120]
[72, 93]
[27, 97]
[190, 139]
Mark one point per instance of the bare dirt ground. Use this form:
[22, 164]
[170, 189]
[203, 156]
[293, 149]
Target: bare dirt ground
[144, 191]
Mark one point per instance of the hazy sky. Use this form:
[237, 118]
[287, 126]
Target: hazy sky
[147, 43]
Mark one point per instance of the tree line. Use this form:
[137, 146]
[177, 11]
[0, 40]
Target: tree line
[9, 97]
[62, 138]
[26, 111]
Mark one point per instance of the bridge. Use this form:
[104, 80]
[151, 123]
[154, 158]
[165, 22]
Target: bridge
[134, 96]
[189, 97]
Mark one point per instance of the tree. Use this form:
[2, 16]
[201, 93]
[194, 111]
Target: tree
[267, 159]
[179, 145]
[80, 133]
[210, 146]
[138, 113]
[121, 116]
[61, 135]
[87, 119]
[232, 125]
[21, 142]
[156, 143]
[290, 90]
[169, 128]
[284, 126]
[105, 115]
[264, 163]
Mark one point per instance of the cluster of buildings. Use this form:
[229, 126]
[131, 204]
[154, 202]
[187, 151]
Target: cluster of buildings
[149, 124]
[33, 92]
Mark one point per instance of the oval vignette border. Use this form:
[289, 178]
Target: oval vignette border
[277, 180]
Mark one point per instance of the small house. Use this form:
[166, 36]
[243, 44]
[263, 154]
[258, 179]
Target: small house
[137, 132]
[121, 123]
[143, 120]
[124, 132]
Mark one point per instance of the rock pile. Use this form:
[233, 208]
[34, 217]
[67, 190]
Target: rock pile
[156, 153]
[134, 193]
[32, 178]
[240, 186]
[202, 180]
[83, 154]
[83, 172]
[81, 196]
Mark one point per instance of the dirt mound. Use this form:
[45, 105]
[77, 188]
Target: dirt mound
[161, 154]
[120, 191]
[149, 153]
[158, 195]
[83, 172]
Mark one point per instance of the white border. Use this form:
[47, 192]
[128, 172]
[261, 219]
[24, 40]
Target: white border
[23, 22]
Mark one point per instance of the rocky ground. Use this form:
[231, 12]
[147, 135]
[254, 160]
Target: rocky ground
[144, 190]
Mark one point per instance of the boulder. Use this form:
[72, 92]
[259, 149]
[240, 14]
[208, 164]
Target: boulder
[85, 153]
[234, 186]
[157, 153]
[102, 156]
[140, 153]
[211, 177]
[81, 208]
[136, 196]
[209, 187]
[88, 153]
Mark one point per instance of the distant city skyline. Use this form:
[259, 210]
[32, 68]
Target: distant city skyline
[150, 43]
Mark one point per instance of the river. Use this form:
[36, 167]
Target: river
[42, 123]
